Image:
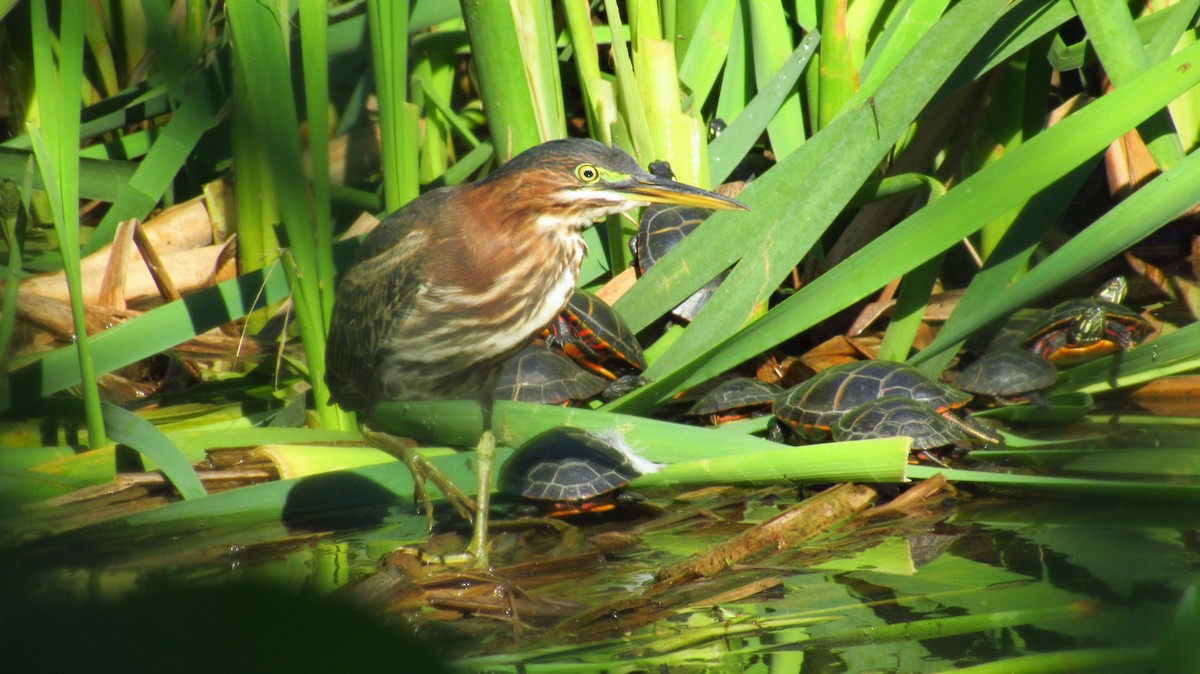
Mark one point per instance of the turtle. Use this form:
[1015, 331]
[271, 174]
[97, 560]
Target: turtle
[1008, 375]
[736, 398]
[660, 229]
[596, 337]
[812, 407]
[570, 470]
[1114, 290]
[539, 375]
[891, 416]
[1080, 330]
[1010, 334]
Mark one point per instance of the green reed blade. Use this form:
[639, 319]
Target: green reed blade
[388, 23]
[735, 142]
[314, 47]
[517, 73]
[56, 144]
[131, 430]
[776, 234]
[1111, 30]
[980, 198]
[1146, 210]
[838, 79]
[704, 50]
[771, 43]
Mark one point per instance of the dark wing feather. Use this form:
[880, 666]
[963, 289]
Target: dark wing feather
[372, 300]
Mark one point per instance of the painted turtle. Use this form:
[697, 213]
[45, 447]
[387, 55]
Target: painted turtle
[900, 415]
[1007, 375]
[538, 375]
[571, 470]
[1114, 290]
[1084, 329]
[596, 337]
[812, 407]
[660, 229]
[736, 398]
[1014, 332]
[1009, 335]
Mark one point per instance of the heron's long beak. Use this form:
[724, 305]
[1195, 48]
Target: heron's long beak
[663, 191]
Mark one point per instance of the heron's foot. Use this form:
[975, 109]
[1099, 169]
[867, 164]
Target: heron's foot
[485, 453]
[422, 470]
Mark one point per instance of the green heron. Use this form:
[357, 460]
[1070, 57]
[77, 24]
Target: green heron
[449, 287]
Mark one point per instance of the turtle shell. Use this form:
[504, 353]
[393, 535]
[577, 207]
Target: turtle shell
[538, 375]
[1055, 339]
[1010, 334]
[812, 407]
[1006, 373]
[734, 394]
[596, 337]
[564, 465]
[661, 228]
[891, 416]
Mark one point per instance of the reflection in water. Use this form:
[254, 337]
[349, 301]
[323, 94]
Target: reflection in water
[958, 581]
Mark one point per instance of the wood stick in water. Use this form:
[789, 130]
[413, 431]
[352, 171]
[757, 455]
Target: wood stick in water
[799, 523]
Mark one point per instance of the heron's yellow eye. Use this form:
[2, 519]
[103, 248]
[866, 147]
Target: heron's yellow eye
[587, 173]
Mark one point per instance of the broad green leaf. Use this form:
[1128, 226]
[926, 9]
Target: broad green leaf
[127, 428]
[459, 423]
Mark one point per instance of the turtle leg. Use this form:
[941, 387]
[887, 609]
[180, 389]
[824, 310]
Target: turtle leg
[919, 455]
[1038, 400]
[422, 470]
[967, 424]
[623, 385]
